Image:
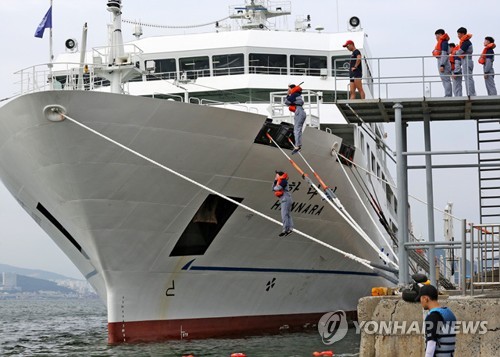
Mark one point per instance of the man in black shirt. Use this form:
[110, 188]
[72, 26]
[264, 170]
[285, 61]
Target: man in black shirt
[439, 324]
[355, 71]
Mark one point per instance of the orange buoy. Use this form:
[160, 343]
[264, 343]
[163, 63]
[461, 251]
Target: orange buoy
[324, 354]
[238, 355]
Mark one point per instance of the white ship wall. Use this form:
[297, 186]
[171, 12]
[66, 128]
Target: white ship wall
[128, 215]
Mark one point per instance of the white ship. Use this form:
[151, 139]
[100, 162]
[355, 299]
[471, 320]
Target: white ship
[170, 258]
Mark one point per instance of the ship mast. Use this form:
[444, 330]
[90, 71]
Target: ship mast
[119, 66]
[116, 50]
[256, 14]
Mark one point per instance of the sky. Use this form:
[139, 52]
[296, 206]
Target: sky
[394, 27]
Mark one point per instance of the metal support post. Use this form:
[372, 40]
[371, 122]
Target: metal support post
[463, 262]
[402, 194]
[471, 279]
[430, 199]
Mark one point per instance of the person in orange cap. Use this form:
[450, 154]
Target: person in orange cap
[355, 71]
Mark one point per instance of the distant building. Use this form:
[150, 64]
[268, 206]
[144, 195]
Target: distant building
[9, 281]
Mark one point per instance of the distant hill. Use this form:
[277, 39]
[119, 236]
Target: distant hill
[33, 273]
[30, 285]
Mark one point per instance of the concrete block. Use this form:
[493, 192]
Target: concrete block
[402, 346]
[392, 309]
[490, 344]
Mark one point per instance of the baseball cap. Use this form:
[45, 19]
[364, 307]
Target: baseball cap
[428, 290]
[348, 42]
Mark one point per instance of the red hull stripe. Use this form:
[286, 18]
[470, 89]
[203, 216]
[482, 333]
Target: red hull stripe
[160, 330]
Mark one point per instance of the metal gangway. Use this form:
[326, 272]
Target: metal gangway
[400, 97]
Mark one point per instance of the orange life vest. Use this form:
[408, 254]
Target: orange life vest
[482, 59]
[293, 90]
[437, 49]
[452, 56]
[279, 182]
[462, 40]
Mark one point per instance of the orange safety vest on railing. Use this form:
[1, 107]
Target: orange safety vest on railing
[482, 59]
[437, 50]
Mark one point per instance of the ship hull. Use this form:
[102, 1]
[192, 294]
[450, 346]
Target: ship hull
[128, 225]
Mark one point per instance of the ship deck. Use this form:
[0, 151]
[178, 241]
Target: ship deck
[414, 109]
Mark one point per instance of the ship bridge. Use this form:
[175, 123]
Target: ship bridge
[402, 98]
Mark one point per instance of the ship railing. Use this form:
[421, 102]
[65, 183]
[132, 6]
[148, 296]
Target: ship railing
[228, 71]
[280, 112]
[58, 76]
[156, 76]
[103, 56]
[282, 71]
[406, 77]
[192, 74]
[227, 105]
[161, 95]
[308, 71]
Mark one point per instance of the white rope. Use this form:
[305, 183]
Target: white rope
[172, 26]
[394, 187]
[359, 260]
[342, 212]
[364, 206]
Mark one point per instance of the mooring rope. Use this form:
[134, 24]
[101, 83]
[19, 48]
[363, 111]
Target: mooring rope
[340, 210]
[353, 257]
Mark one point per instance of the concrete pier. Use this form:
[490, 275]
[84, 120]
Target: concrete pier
[392, 327]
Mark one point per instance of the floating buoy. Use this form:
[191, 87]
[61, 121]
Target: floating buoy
[188, 356]
[324, 353]
[238, 355]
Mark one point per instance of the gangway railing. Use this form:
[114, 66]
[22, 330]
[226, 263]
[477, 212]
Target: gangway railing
[478, 249]
[484, 252]
[407, 77]
[280, 112]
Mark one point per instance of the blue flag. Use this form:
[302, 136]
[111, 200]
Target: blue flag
[45, 24]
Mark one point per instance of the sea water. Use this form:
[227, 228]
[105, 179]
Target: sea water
[78, 327]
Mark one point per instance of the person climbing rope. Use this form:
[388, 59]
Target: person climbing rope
[280, 188]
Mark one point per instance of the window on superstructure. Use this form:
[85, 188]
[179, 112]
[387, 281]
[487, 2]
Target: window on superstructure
[378, 170]
[266, 63]
[362, 142]
[307, 65]
[227, 65]
[373, 163]
[368, 157]
[389, 195]
[194, 67]
[164, 69]
[340, 66]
